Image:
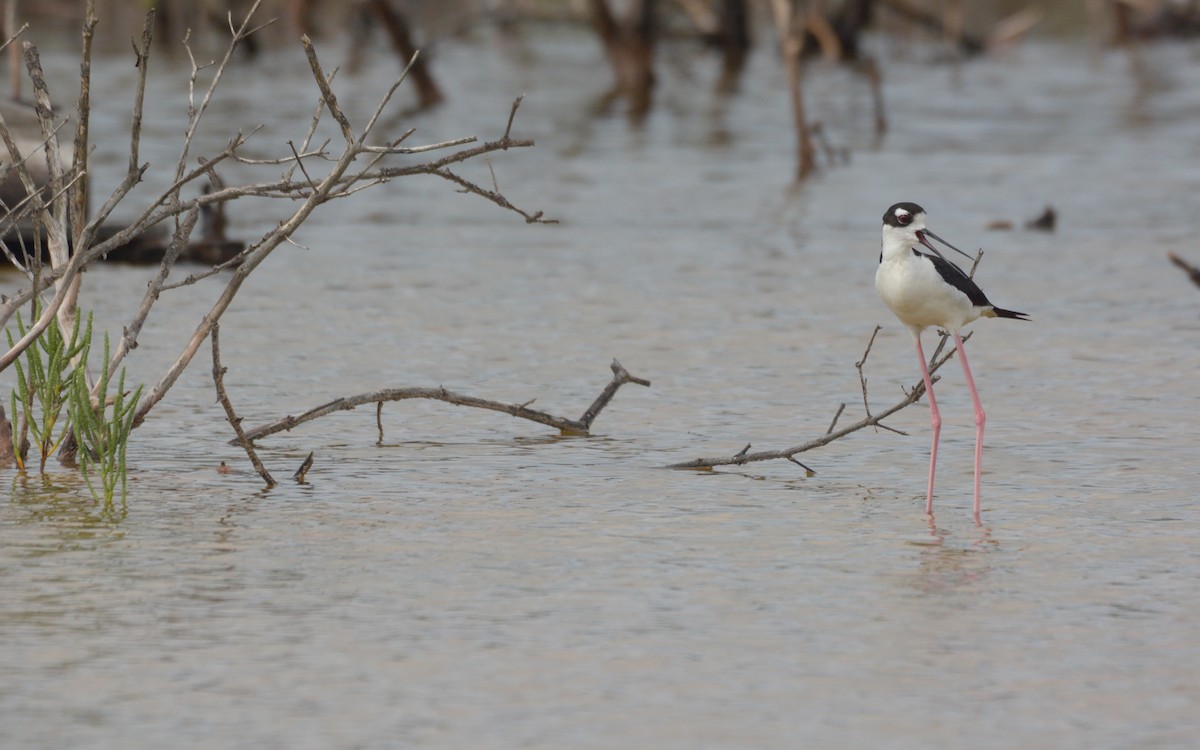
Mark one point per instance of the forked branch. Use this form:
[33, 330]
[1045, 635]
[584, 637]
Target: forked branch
[565, 425]
[871, 420]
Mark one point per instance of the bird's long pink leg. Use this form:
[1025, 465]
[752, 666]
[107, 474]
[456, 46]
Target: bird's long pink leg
[980, 419]
[935, 421]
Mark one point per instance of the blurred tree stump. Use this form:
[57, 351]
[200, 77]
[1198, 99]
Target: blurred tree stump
[629, 45]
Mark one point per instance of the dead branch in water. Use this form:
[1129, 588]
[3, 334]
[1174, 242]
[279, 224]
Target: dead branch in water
[936, 360]
[218, 373]
[1192, 271]
[565, 425]
[871, 420]
[324, 176]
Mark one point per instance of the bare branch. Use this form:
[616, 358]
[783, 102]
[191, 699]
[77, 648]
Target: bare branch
[259, 252]
[129, 338]
[77, 211]
[142, 63]
[862, 379]
[512, 116]
[911, 398]
[327, 94]
[383, 102]
[1192, 271]
[836, 416]
[493, 196]
[218, 373]
[300, 163]
[312, 128]
[197, 113]
[418, 149]
[318, 187]
[621, 376]
[975, 264]
[566, 426]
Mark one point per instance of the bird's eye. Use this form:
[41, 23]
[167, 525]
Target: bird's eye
[903, 218]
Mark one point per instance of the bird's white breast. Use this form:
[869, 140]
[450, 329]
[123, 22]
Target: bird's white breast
[918, 295]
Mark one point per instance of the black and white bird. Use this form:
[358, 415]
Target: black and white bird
[922, 290]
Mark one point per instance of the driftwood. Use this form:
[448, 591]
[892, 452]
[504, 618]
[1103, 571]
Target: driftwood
[565, 425]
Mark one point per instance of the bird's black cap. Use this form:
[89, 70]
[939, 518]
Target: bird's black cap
[901, 214]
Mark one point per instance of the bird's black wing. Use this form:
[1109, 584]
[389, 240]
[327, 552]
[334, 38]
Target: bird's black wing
[955, 277]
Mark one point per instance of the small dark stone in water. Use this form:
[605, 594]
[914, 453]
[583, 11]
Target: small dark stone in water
[1045, 222]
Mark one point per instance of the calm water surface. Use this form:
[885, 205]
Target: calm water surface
[477, 582]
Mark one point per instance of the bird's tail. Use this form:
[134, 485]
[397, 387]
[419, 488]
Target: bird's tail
[1000, 312]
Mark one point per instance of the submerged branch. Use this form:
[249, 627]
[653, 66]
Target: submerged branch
[567, 426]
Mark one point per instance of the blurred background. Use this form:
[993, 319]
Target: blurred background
[469, 580]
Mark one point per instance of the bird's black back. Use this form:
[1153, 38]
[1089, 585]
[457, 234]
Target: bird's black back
[957, 278]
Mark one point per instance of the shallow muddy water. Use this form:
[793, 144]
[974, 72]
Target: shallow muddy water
[476, 581]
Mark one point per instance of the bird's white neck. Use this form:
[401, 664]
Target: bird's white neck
[897, 246]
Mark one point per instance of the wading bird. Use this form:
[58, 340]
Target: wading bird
[923, 290]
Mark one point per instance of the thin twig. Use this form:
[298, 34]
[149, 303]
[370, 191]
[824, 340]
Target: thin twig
[975, 264]
[807, 469]
[862, 379]
[387, 97]
[129, 337]
[493, 196]
[418, 149]
[300, 163]
[195, 114]
[841, 408]
[512, 116]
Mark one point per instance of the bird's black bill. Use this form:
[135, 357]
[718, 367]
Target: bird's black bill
[925, 232]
